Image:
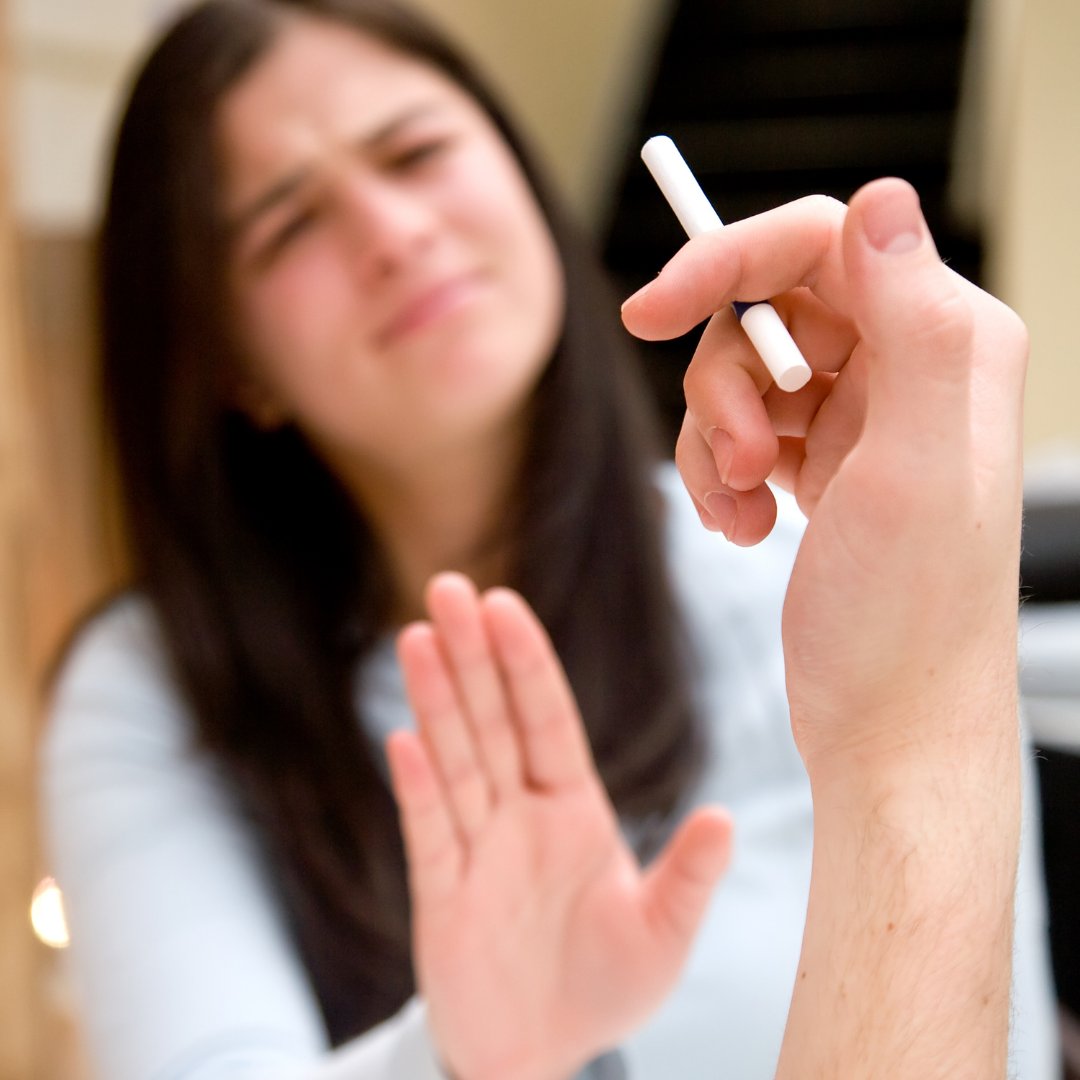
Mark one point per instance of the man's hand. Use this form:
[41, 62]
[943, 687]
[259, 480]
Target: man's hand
[904, 449]
[900, 617]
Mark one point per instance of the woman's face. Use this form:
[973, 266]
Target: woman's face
[395, 288]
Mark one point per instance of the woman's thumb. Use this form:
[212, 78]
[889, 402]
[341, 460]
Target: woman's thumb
[680, 882]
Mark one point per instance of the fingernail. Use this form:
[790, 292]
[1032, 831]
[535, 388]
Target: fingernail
[637, 296]
[723, 448]
[893, 220]
[723, 510]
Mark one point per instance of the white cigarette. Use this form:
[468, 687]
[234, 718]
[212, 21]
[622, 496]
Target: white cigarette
[763, 326]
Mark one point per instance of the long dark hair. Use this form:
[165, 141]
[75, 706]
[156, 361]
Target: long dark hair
[268, 583]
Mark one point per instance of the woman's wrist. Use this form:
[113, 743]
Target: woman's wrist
[524, 1066]
[530, 1071]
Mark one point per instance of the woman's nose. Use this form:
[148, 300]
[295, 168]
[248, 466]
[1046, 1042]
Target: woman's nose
[388, 224]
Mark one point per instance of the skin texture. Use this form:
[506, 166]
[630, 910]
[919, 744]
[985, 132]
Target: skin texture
[396, 290]
[899, 632]
[900, 618]
[539, 939]
[397, 299]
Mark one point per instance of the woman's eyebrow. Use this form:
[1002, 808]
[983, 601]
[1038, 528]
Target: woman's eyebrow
[385, 132]
[283, 189]
[278, 192]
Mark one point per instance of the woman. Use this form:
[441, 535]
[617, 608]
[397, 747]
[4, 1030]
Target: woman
[350, 342]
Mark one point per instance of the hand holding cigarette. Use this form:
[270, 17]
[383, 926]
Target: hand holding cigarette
[900, 617]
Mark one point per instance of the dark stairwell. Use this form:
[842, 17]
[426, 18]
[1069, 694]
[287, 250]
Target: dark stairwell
[769, 101]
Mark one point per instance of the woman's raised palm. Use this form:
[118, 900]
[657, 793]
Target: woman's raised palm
[539, 941]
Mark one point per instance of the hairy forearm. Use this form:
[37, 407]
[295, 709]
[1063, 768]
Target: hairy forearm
[905, 968]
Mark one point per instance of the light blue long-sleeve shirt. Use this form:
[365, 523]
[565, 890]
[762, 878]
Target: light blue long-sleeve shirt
[181, 959]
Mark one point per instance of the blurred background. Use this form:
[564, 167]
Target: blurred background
[977, 103]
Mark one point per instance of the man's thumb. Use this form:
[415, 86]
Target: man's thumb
[910, 309]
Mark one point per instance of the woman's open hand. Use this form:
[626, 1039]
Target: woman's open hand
[538, 940]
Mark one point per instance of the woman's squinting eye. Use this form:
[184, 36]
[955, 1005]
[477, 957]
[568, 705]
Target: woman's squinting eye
[294, 226]
[410, 157]
[419, 153]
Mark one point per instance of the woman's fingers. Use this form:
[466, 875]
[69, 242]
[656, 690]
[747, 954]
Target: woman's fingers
[491, 698]
[552, 738]
[449, 741]
[681, 880]
[432, 845]
[454, 606]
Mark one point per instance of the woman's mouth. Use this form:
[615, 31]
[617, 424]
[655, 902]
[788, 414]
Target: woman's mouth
[429, 305]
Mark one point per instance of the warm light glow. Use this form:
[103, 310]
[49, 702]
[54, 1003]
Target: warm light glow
[47, 915]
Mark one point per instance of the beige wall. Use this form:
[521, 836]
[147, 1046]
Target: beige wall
[571, 69]
[1032, 208]
[20, 1013]
[574, 71]
[70, 59]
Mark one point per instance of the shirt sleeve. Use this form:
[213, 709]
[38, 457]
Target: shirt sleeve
[180, 958]
[1034, 1044]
